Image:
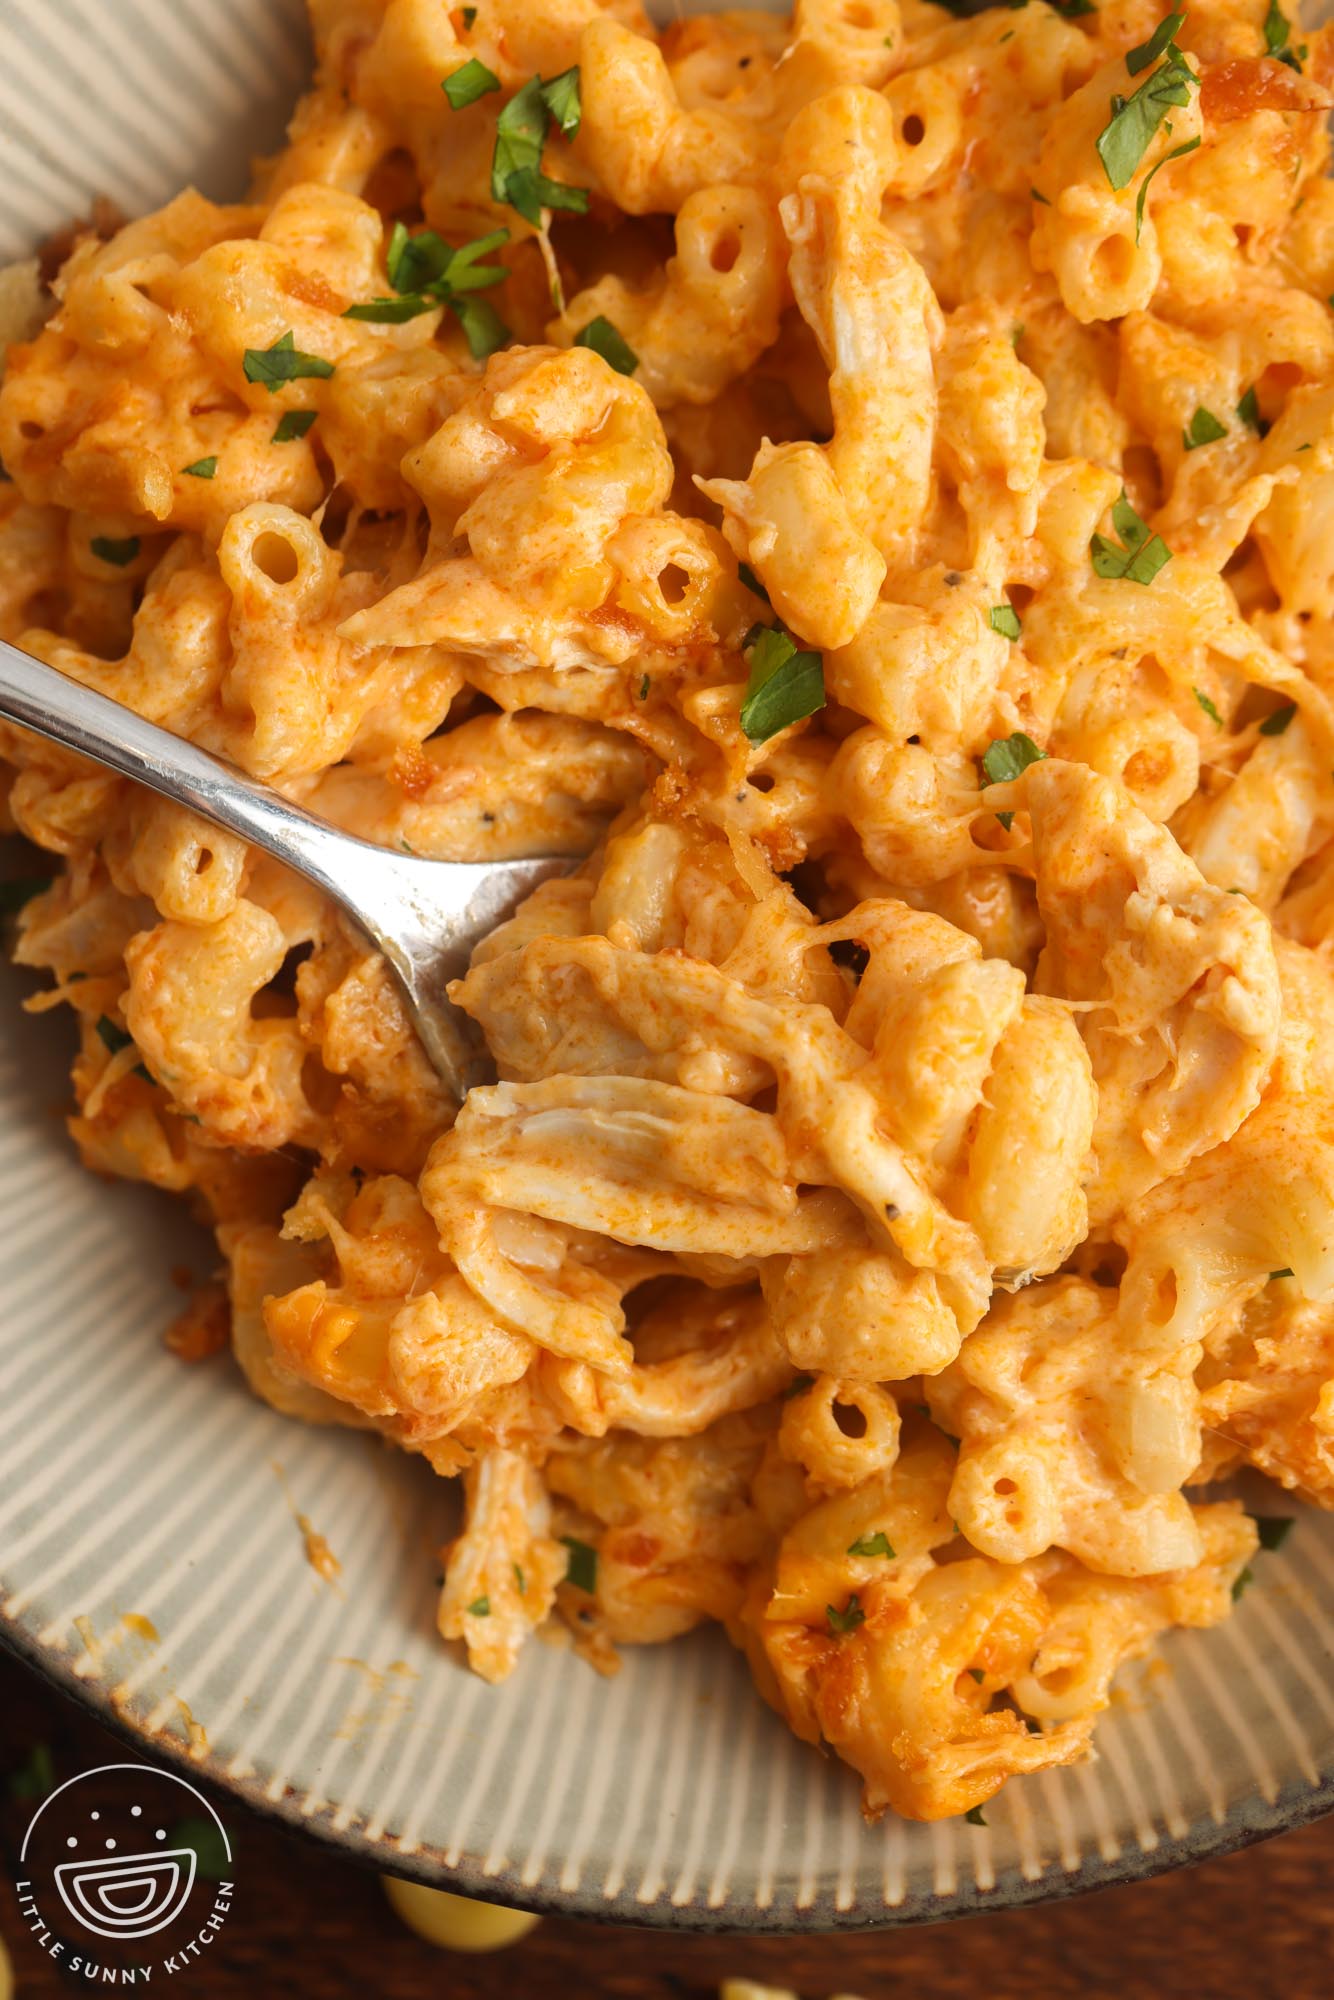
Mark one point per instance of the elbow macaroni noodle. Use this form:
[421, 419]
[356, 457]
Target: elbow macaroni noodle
[909, 1173]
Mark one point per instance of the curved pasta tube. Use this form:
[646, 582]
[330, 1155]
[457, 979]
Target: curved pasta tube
[870, 307]
[715, 308]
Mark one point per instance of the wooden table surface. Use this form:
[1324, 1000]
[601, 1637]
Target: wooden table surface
[1256, 1924]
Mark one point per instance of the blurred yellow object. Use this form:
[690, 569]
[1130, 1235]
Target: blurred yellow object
[6, 1974]
[455, 1922]
[746, 1989]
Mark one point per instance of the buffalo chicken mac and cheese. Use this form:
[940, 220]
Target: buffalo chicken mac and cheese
[860, 485]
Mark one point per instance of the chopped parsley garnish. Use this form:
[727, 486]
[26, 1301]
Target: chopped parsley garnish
[283, 362]
[848, 1619]
[582, 1567]
[480, 1608]
[1038, 195]
[784, 686]
[212, 1859]
[35, 1778]
[465, 85]
[1191, 146]
[871, 1545]
[392, 312]
[1142, 555]
[108, 550]
[1008, 757]
[1126, 137]
[521, 134]
[426, 272]
[1275, 724]
[20, 890]
[644, 686]
[977, 1675]
[1148, 52]
[425, 262]
[974, 1816]
[561, 97]
[610, 343]
[1273, 1529]
[1247, 1576]
[1203, 428]
[1248, 409]
[519, 1580]
[1207, 706]
[203, 468]
[1286, 1272]
[1277, 30]
[293, 424]
[751, 581]
[467, 15]
[115, 1039]
[1004, 619]
[483, 328]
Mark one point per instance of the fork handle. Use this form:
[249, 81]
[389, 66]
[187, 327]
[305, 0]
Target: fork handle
[49, 702]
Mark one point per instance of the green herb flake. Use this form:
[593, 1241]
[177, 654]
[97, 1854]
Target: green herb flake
[561, 97]
[35, 1777]
[1148, 52]
[530, 192]
[1203, 428]
[1038, 195]
[871, 1545]
[212, 1861]
[1008, 757]
[1017, 334]
[1248, 409]
[20, 890]
[751, 581]
[1286, 1272]
[1177, 153]
[977, 1675]
[1275, 724]
[203, 468]
[644, 686]
[1135, 120]
[467, 15]
[519, 1580]
[480, 1608]
[483, 328]
[784, 686]
[283, 362]
[465, 85]
[1278, 28]
[1004, 619]
[1273, 1529]
[393, 312]
[114, 1039]
[974, 1816]
[1207, 706]
[582, 1567]
[521, 132]
[1247, 1576]
[108, 550]
[1142, 555]
[293, 424]
[610, 343]
[848, 1619]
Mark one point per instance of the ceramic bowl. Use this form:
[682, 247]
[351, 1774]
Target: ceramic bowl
[151, 1556]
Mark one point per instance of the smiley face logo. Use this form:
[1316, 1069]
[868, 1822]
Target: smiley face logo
[125, 1872]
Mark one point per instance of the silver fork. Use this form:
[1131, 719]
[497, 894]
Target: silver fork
[425, 916]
